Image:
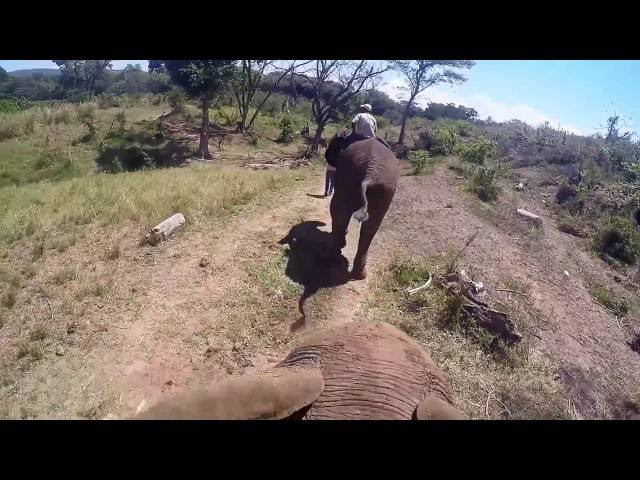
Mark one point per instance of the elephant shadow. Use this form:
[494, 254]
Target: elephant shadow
[312, 263]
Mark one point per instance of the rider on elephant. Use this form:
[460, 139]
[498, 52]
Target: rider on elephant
[364, 124]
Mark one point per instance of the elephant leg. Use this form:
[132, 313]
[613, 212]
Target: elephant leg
[341, 211]
[378, 205]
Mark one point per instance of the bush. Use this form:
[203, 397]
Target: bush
[419, 160]
[10, 106]
[228, 117]
[107, 100]
[121, 120]
[29, 123]
[177, 99]
[286, 133]
[62, 115]
[477, 151]
[440, 140]
[10, 126]
[54, 165]
[484, 183]
[86, 114]
[383, 122]
[618, 240]
[607, 298]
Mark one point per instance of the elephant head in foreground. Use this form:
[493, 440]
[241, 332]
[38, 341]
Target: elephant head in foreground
[366, 179]
[362, 370]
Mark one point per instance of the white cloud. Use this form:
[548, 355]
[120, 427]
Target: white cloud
[484, 105]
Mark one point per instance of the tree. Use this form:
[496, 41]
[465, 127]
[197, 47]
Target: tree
[248, 80]
[419, 75]
[335, 84]
[84, 75]
[4, 76]
[200, 79]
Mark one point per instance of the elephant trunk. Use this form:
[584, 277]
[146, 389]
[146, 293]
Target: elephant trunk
[362, 215]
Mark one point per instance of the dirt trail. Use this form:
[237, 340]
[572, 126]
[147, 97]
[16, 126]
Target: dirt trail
[193, 310]
[180, 313]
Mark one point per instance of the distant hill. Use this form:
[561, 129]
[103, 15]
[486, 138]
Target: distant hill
[48, 72]
[27, 72]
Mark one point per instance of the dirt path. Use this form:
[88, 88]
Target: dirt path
[186, 313]
[215, 301]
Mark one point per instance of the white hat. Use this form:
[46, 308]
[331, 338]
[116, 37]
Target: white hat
[366, 106]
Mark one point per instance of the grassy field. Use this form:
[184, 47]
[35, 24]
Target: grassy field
[147, 196]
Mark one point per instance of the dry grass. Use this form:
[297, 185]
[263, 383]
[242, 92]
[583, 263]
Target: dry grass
[488, 382]
[66, 274]
[150, 197]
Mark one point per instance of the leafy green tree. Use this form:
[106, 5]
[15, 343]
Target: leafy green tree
[84, 75]
[200, 79]
[418, 75]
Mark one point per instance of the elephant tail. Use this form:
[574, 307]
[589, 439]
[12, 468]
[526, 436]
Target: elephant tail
[362, 215]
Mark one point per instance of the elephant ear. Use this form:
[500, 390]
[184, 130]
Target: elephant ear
[276, 394]
[435, 408]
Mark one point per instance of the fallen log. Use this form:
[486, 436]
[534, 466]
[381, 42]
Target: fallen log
[495, 322]
[529, 215]
[163, 230]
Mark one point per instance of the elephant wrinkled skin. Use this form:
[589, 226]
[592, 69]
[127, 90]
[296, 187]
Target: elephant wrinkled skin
[366, 179]
[358, 371]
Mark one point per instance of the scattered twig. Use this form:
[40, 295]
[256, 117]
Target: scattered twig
[108, 132]
[413, 291]
[508, 290]
[455, 259]
[486, 406]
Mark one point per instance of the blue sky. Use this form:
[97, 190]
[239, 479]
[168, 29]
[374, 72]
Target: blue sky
[578, 95]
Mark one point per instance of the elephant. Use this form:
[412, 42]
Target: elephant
[366, 179]
[356, 371]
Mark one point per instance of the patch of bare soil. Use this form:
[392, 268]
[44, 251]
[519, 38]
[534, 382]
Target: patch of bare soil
[600, 371]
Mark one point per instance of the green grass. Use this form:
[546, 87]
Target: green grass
[607, 298]
[149, 196]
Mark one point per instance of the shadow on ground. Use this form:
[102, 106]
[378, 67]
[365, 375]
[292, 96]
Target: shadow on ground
[136, 150]
[312, 263]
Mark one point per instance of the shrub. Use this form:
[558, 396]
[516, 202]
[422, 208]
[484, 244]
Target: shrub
[121, 120]
[228, 117]
[462, 128]
[55, 165]
[484, 183]
[107, 100]
[9, 106]
[29, 123]
[10, 126]
[440, 140]
[86, 114]
[419, 160]
[177, 99]
[62, 115]
[383, 122]
[477, 151]
[255, 138]
[619, 239]
[607, 298]
[286, 133]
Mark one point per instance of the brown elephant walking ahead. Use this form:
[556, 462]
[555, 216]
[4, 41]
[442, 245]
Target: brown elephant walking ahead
[366, 179]
[358, 371]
